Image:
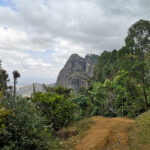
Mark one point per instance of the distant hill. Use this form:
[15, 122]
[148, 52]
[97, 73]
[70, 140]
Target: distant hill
[77, 71]
[27, 90]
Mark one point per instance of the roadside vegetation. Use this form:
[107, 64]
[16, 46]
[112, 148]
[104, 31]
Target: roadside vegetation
[140, 133]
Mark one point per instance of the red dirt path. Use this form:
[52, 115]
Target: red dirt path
[106, 134]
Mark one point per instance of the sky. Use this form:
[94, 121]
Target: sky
[38, 36]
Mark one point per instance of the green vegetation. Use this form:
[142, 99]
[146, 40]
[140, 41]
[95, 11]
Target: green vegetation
[120, 87]
[67, 138]
[3, 114]
[24, 127]
[121, 84]
[16, 75]
[58, 110]
[3, 80]
[85, 106]
[140, 133]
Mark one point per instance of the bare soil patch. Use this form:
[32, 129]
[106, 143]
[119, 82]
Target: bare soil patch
[106, 134]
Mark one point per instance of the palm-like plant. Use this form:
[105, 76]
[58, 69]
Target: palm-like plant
[16, 75]
[4, 80]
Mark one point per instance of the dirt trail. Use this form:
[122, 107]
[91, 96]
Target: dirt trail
[106, 134]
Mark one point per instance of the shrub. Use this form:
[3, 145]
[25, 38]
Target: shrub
[96, 111]
[58, 110]
[25, 128]
[3, 114]
[84, 106]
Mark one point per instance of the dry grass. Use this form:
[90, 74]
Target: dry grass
[67, 138]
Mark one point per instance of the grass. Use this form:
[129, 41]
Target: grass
[68, 143]
[139, 138]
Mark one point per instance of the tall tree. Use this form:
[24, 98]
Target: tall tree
[3, 80]
[138, 44]
[16, 75]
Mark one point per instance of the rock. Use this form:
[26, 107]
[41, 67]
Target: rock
[77, 71]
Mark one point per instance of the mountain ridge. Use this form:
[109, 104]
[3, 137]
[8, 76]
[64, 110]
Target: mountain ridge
[27, 90]
[77, 71]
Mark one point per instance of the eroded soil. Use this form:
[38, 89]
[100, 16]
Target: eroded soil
[106, 134]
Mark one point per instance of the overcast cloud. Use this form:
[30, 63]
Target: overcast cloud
[38, 36]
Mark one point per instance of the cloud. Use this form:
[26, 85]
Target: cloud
[38, 37]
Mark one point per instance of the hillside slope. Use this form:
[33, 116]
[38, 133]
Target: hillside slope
[140, 133]
[106, 134]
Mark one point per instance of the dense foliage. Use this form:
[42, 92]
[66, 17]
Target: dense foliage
[3, 113]
[58, 110]
[127, 74]
[24, 127]
[85, 106]
[30, 123]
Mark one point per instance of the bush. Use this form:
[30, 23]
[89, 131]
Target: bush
[96, 111]
[84, 106]
[58, 110]
[25, 128]
[3, 114]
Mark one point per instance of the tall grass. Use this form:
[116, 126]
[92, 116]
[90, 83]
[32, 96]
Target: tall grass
[140, 133]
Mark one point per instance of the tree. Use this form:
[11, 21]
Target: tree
[138, 44]
[16, 75]
[3, 80]
[63, 91]
[128, 95]
[128, 71]
[98, 95]
[107, 66]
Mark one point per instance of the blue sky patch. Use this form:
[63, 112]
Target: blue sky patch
[7, 3]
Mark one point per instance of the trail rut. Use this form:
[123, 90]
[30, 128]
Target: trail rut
[106, 134]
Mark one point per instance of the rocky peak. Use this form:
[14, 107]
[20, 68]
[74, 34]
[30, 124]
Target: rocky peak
[77, 71]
